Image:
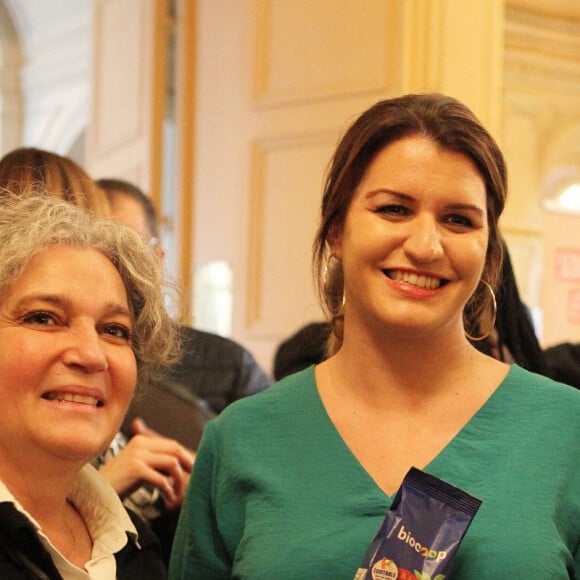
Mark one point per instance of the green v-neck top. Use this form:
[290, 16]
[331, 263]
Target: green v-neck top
[276, 493]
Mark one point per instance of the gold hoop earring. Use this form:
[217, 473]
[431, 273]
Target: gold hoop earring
[493, 318]
[325, 276]
[326, 269]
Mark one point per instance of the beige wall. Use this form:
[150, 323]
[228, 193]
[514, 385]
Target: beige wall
[541, 141]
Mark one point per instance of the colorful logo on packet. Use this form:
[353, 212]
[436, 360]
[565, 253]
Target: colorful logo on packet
[385, 569]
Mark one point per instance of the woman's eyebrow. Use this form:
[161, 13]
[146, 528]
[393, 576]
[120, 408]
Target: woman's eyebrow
[393, 192]
[62, 301]
[406, 197]
[466, 207]
[54, 299]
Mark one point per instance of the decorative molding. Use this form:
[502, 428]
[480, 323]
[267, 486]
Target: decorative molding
[322, 75]
[261, 150]
[254, 259]
[538, 110]
[184, 81]
[455, 48]
[11, 106]
[542, 51]
[111, 137]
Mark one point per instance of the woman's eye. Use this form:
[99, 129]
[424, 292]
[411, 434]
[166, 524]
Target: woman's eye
[460, 220]
[39, 318]
[393, 210]
[118, 331]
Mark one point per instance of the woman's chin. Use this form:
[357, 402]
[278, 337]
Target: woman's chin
[80, 450]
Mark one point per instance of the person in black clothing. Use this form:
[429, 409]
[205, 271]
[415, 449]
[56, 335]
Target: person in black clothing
[24, 557]
[305, 347]
[217, 369]
[82, 319]
[564, 362]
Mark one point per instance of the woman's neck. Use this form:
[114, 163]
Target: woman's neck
[405, 368]
[41, 487]
[43, 493]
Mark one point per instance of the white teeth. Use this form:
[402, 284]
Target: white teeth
[415, 280]
[72, 398]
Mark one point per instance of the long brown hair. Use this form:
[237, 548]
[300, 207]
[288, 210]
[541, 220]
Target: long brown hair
[448, 123]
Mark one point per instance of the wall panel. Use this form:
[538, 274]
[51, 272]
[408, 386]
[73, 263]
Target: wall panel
[124, 137]
[310, 49]
[285, 200]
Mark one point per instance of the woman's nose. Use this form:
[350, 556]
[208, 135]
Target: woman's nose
[86, 349]
[423, 243]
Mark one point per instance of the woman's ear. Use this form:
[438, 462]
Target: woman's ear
[334, 240]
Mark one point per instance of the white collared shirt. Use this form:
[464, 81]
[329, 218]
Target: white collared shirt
[105, 517]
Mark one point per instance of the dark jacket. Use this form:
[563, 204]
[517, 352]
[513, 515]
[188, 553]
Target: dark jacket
[564, 362]
[213, 372]
[217, 369]
[23, 557]
[307, 346]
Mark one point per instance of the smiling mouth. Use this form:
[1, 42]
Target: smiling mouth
[69, 397]
[420, 281]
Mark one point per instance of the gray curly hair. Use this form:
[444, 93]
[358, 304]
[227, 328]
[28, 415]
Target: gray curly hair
[31, 224]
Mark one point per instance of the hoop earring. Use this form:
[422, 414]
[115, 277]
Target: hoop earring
[326, 269]
[494, 303]
[325, 274]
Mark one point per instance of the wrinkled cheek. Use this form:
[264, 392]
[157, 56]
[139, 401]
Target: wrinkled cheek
[131, 381]
[123, 390]
[126, 383]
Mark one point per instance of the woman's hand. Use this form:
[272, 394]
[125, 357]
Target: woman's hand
[151, 458]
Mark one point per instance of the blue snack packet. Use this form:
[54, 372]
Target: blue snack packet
[421, 532]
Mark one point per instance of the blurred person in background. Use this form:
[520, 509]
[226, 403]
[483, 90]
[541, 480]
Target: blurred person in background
[214, 368]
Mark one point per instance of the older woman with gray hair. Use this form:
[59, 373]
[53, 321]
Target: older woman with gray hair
[81, 317]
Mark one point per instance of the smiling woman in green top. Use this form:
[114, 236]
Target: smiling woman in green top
[295, 482]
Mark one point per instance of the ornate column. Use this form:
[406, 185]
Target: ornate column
[456, 47]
